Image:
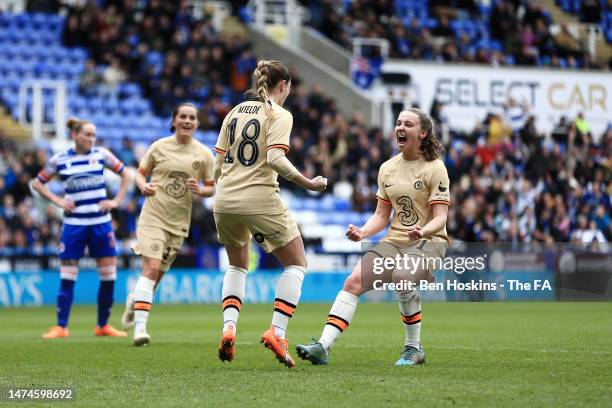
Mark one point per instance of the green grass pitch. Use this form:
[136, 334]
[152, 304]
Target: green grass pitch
[478, 355]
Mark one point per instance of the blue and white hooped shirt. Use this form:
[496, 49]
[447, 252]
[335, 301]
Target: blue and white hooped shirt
[82, 176]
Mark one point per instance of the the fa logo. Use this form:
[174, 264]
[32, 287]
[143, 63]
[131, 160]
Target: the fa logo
[541, 284]
[93, 161]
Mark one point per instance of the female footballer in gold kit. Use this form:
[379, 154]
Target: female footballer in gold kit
[251, 148]
[414, 186]
[179, 167]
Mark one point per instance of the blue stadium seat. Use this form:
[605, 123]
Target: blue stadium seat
[30, 47]
[94, 103]
[129, 90]
[83, 113]
[309, 204]
[14, 33]
[325, 217]
[118, 133]
[365, 217]
[78, 54]
[342, 205]
[325, 204]
[11, 98]
[4, 20]
[55, 21]
[496, 45]
[22, 20]
[149, 121]
[295, 204]
[77, 102]
[209, 138]
[5, 67]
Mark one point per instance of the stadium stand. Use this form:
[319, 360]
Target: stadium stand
[498, 32]
[509, 183]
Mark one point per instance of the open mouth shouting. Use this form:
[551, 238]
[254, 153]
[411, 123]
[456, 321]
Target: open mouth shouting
[401, 137]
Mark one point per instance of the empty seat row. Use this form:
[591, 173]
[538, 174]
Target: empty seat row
[16, 34]
[31, 20]
[30, 51]
[326, 203]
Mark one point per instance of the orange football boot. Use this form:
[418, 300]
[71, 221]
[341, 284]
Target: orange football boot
[227, 348]
[110, 331]
[56, 332]
[280, 347]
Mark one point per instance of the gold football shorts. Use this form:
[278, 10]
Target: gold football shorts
[271, 231]
[157, 243]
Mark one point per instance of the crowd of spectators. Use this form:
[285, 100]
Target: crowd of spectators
[508, 182]
[519, 186]
[173, 56]
[510, 32]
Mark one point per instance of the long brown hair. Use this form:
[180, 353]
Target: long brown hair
[266, 76]
[431, 147]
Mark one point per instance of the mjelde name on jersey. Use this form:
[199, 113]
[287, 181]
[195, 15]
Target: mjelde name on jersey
[252, 109]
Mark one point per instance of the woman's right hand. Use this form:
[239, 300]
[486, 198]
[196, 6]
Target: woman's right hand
[318, 183]
[148, 189]
[354, 233]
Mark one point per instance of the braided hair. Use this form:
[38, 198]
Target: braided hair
[266, 76]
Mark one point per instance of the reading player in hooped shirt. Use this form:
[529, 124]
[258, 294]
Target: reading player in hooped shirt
[87, 220]
[251, 151]
[179, 167]
[414, 185]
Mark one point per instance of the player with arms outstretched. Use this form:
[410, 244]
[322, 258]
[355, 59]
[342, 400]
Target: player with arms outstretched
[414, 185]
[251, 148]
[179, 167]
[87, 221]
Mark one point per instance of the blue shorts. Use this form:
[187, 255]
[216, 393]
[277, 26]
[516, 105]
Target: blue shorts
[99, 238]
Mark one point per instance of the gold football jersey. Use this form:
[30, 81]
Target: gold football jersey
[170, 164]
[411, 187]
[247, 184]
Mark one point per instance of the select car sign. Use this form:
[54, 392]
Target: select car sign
[470, 92]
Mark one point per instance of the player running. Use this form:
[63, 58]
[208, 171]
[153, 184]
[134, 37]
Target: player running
[87, 221]
[251, 148]
[415, 185]
[176, 164]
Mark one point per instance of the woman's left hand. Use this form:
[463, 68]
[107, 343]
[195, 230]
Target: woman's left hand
[415, 233]
[193, 185]
[107, 205]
